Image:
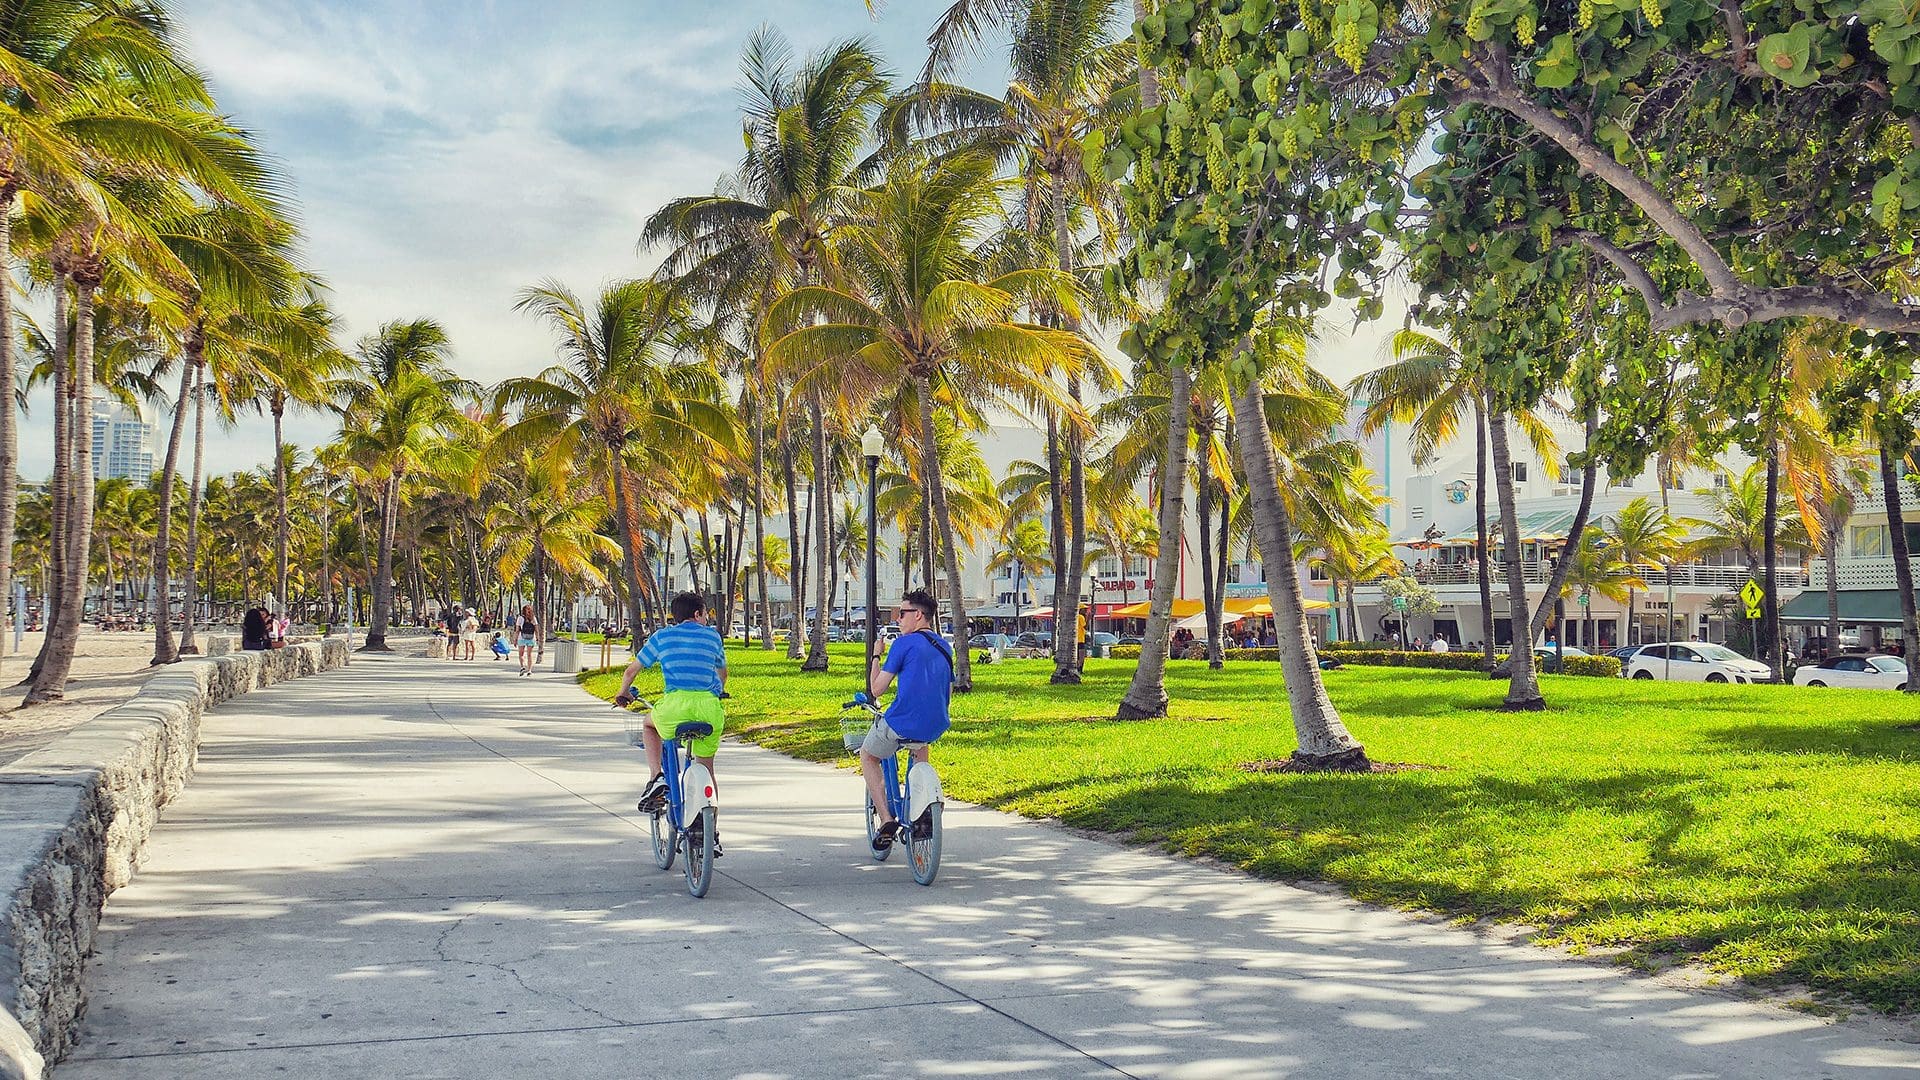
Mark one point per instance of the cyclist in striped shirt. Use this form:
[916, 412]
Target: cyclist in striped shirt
[693, 663]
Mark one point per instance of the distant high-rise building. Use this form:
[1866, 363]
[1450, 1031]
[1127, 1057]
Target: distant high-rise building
[122, 443]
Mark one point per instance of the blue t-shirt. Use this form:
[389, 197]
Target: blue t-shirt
[690, 655]
[923, 683]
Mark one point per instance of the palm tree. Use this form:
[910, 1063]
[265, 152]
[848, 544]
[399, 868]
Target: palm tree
[1025, 546]
[623, 391]
[1600, 564]
[1069, 78]
[297, 363]
[1641, 534]
[397, 409]
[546, 526]
[806, 131]
[917, 312]
[1432, 387]
[1324, 742]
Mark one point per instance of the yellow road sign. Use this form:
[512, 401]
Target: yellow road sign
[1753, 594]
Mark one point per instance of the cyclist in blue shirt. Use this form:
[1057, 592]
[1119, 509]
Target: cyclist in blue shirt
[923, 663]
[693, 664]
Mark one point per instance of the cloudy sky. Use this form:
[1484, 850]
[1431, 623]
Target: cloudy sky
[447, 153]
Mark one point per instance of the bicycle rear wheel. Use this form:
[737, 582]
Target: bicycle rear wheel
[923, 845]
[873, 830]
[663, 840]
[699, 864]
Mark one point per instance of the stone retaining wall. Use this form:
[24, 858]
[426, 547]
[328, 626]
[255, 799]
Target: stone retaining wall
[74, 818]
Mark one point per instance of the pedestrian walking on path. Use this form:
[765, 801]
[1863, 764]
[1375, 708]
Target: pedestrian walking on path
[469, 635]
[528, 631]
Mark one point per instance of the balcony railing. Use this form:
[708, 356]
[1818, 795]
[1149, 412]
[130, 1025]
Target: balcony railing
[1685, 575]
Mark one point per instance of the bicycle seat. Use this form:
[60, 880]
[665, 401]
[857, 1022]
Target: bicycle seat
[693, 729]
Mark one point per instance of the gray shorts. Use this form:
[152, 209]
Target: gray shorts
[881, 742]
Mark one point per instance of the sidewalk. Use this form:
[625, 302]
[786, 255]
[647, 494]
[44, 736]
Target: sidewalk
[415, 869]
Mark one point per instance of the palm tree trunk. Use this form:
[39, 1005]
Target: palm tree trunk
[1217, 636]
[327, 614]
[60, 508]
[280, 540]
[1523, 687]
[758, 488]
[382, 584]
[64, 637]
[1483, 554]
[822, 514]
[1902, 558]
[1146, 694]
[631, 544]
[187, 646]
[796, 552]
[1057, 530]
[1204, 508]
[9, 415]
[1588, 477]
[163, 649]
[1770, 528]
[930, 459]
[1325, 743]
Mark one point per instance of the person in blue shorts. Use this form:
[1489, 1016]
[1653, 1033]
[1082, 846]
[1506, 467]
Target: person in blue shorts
[922, 662]
[693, 664]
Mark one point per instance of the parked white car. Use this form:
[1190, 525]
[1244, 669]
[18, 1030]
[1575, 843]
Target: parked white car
[1880, 672]
[1696, 661]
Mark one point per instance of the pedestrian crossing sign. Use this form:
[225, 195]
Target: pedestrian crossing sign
[1753, 594]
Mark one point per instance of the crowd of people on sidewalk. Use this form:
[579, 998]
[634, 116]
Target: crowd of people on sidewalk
[464, 629]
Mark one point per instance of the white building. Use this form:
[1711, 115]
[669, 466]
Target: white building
[122, 443]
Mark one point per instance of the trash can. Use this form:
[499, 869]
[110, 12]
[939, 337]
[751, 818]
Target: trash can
[566, 656]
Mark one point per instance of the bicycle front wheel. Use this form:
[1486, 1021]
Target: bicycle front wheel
[873, 832]
[699, 864]
[923, 845]
[663, 840]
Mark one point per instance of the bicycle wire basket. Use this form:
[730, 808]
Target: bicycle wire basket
[854, 726]
[636, 720]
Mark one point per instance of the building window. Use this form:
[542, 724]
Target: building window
[1871, 541]
[1317, 572]
[1519, 472]
[1720, 481]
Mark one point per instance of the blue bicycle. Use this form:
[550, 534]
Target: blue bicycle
[684, 821]
[913, 794]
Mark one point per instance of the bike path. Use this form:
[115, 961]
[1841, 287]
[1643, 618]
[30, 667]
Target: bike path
[423, 869]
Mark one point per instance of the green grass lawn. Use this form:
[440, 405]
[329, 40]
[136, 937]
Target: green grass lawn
[1769, 832]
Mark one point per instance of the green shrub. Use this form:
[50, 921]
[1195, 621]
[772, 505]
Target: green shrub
[1602, 666]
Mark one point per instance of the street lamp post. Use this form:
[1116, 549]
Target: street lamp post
[871, 445]
[1559, 619]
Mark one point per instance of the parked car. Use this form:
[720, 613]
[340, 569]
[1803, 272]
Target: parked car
[1131, 639]
[1696, 661]
[1881, 672]
[1624, 654]
[991, 641]
[1544, 661]
[1099, 638]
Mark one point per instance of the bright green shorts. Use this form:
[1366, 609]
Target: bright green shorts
[678, 707]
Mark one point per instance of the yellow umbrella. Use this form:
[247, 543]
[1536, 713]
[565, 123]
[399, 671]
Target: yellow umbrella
[1181, 609]
[1259, 607]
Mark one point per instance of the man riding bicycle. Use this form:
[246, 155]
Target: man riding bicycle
[693, 664]
[923, 663]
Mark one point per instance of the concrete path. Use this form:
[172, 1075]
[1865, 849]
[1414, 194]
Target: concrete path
[415, 869]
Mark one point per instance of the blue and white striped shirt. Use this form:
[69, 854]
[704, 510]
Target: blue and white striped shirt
[690, 656]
